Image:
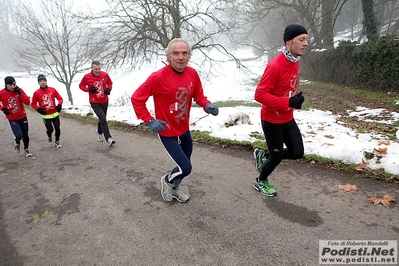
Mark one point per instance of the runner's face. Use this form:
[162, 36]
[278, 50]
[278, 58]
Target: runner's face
[297, 46]
[179, 56]
[42, 83]
[10, 87]
[96, 69]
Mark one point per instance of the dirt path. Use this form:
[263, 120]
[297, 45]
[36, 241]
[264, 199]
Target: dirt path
[89, 204]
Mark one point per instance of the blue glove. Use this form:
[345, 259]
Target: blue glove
[211, 108]
[156, 125]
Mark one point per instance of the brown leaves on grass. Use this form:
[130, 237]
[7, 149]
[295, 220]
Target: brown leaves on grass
[361, 166]
[386, 200]
[347, 187]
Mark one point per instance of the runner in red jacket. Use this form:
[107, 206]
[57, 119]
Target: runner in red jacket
[99, 85]
[277, 91]
[173, 88]
[44, 102]
[12, 100]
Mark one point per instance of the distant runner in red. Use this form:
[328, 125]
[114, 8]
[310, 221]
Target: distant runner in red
[173, 88]
[44, 102]
[99, 85]
[12, 101]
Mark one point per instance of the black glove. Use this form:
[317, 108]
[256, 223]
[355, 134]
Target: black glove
[296, 101]
[93, 89]
[17, 90]
[5, 111]
[107, 91]
[58, 107]
[41, 111]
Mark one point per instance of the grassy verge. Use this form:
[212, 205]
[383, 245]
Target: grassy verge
[205, 138]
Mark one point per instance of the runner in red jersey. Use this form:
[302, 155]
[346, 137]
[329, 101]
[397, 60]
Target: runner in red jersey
[277, 91]
[99, 85]
[12, 101]
[173, 88]
[44, 102]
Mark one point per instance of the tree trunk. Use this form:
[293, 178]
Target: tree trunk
[370, 22]
[327, 31]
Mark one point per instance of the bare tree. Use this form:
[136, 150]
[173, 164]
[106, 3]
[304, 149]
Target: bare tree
[318, 16]
[140, 30]
[6, 39]
[387, 14]
[52, 40]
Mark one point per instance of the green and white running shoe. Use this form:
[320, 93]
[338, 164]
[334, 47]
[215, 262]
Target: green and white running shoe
[264, 188]
[260, 158]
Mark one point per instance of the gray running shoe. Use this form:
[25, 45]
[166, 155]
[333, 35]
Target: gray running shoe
[179, 195]
[57, 144]
[166, 189]
[50, 139]
[99, 136]
[17, 148]
[111, 142]
[27, 153]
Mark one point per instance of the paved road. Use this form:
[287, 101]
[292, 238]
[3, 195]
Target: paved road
[90, 204]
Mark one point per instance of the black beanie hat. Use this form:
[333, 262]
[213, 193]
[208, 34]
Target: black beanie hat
[41, 77]
[292, 31]
[9, 80]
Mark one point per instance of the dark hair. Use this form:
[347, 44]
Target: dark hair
[95, 62]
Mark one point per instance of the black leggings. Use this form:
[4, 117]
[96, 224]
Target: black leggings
[49, 127]
[276, 136]
[101, 111]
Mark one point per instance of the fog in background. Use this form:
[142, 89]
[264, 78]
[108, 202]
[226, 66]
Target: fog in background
[61, 37]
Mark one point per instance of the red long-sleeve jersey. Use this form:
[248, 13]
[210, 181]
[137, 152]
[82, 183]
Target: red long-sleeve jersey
[173, 94]
[45, 98]
[101, 82]
[14, 102]
[279, 82]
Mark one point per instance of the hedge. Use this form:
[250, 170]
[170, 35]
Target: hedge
[371, 64]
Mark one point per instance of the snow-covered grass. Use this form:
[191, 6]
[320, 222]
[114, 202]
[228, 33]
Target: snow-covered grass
[322, 134]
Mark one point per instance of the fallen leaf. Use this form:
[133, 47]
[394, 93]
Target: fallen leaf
[381, 150]
[327, 144]
[386, 200]
[347, 187]
[361, 166]
[384, 142]
[329, 136]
